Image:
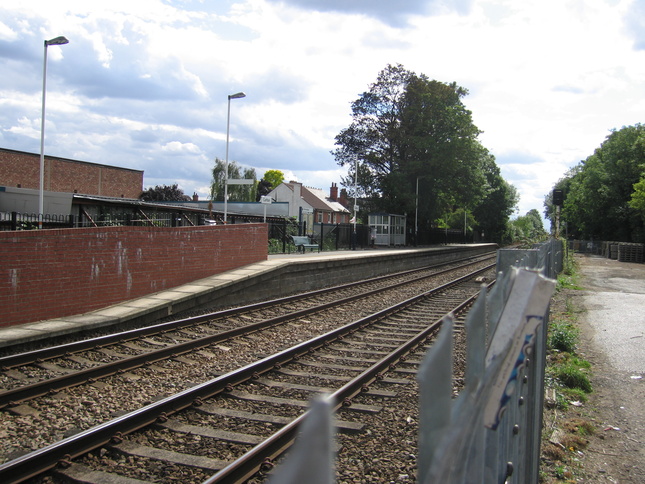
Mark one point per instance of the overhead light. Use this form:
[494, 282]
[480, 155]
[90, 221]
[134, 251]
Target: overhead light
[57, 41]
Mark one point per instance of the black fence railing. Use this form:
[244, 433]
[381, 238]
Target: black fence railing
[29, 221]
[329, 237]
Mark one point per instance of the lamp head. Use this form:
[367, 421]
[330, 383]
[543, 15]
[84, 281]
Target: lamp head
[57, 41]
[237, 95]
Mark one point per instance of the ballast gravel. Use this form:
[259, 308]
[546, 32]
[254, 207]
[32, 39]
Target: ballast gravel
[384, 454]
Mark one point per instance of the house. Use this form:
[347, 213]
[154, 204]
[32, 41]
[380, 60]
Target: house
[312, 205]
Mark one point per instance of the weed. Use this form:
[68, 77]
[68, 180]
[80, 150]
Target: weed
[561, 401]
[553, 452]
[574, 442]
[571, 376]
[573, 395]
[579, 362]
[561, 472]
[563, 337]
[579, 426]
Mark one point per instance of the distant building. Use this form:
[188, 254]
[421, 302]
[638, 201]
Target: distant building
[312, 204]
[20, 169]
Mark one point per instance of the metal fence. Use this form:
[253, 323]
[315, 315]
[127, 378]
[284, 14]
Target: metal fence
[490, 433]
[30, 221]
[102, 218]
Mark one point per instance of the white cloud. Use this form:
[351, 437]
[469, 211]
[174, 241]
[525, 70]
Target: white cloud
[143, 84]
[179, 148]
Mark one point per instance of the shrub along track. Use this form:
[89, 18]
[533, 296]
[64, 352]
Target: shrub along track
[247, 405]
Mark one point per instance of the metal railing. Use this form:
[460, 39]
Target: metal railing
[29, 221]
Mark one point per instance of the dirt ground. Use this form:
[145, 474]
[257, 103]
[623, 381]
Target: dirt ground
[610, 313]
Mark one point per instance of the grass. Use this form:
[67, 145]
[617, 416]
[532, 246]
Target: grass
[572, 377]
[568, 278]
[567, 374]
[563, 336]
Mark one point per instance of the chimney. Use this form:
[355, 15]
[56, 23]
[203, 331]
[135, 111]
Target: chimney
[343, 198]
[297, 189]
[333, 192]
[195, 197]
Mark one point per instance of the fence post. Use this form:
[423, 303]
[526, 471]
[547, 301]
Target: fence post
[337, 235]
[311, 458]
[284, 236]
[14, 220]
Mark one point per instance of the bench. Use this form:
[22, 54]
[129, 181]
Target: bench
[302, 243]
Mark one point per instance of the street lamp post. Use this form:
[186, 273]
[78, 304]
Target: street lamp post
[41, 196]
[228, 123]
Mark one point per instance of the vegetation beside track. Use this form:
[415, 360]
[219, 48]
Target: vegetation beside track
[567, 386]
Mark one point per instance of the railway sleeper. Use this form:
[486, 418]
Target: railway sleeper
[293, 402]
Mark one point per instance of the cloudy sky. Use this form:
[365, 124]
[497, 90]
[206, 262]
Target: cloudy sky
[143, 84]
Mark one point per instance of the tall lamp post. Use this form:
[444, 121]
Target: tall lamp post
[41, 198]
[237, 95]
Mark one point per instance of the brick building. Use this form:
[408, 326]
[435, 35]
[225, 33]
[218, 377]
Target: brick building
[19, 169]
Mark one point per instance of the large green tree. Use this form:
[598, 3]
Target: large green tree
[236, 193]
[526, 228]
[415, 147]
[497, 205]
[599, 190]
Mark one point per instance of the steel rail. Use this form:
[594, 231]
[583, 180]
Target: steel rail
[41, 460]
[27, 392]
[265, 453]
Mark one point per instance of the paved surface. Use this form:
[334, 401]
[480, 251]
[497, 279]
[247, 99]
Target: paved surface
[613, 339]
[616, 310]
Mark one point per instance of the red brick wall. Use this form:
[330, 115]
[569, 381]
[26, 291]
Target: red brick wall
[63, 175]
[53, 273]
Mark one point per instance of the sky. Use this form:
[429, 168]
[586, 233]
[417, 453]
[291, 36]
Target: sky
[144, 84]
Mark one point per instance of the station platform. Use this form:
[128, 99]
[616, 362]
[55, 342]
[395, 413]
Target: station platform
[280, 275]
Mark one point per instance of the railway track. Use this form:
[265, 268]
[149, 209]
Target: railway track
[231, 427]
[36, 373]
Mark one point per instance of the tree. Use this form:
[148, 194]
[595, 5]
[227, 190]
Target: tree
[563, 184]
[270, 180]
[236, 193]
[528, 227]
[637, 200]
[408, 130]
[164, 193]
[599, 192]
[273, 177]
[497, 205]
